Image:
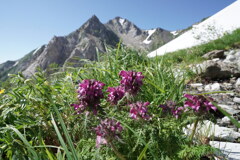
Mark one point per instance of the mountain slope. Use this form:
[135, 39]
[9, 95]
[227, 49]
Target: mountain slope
[134, 37]
[212, 28]
[83, 43]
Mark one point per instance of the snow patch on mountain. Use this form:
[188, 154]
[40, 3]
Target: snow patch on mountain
[16, 63]
[121, 21]
[225, 21]
[174, 33]
[150, 32]
[36, 50]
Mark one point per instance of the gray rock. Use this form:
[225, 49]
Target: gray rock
[230, 150]
[237, 82]
[214, 54]
[212, 87]
[229, 109]
[230, 58]
[231, 52]
[225, 120]
[237, 54]
[209, 129]
[196, 85]
[227, 86]
[236, 99]
[218, 70]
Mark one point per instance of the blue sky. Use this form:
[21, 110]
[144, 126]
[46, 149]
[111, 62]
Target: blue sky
[27, 24]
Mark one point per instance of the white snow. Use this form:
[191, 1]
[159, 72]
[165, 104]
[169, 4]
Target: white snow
[150, 32]
[212, 28]
[121, 21]
[15, 63]
[174, 33]
[36, 50]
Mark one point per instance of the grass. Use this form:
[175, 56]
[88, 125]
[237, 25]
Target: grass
[194, 54]
[37, 121]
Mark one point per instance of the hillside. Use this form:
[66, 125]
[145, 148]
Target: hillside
[127, 106]
[214, 27]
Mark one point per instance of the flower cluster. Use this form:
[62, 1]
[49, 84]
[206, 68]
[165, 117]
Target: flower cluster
[131, 81]
[198, 103]
[115, 94]
[170, 107]
[177, 111]
[89, 95]
[139, 110]
[107, 130]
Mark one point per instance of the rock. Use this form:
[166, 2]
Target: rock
[229, 109]
[236, 99]
[237, 54]
[227, 86]
[214, 54]
[230, 58]
[231, 52]
[215, 59]
[230, 150]
[196, 85]
[225, 121]
[217, 70]
[212, 87]
[209, 129]
[237, 82]
[200, 89]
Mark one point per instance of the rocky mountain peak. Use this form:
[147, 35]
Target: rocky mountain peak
[122, 25]
[93, 19]
[92, 25]
[82, 43]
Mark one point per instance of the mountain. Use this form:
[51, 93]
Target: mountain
[134, 37]
[84, 43]
[212, 28]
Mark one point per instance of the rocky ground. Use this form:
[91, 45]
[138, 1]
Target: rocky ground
[220, 74]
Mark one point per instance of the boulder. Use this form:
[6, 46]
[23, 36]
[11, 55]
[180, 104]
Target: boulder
[218, 70]
[229, 150]
[209, 129]
[214, 54]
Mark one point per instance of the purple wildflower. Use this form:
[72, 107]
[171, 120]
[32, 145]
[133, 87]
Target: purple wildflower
[177, 111]
[170, 107]
[139, 109]
[131, 81]
[115, 94]
[108, 129]
[89, 95]
[165, 108]
[198, 103]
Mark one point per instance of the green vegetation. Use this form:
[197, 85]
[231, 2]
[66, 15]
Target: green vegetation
[194, 55]
[37, 120]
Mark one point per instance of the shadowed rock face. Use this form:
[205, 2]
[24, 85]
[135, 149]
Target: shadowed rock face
[82, 44]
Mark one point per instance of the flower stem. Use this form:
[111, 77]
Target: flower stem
[193, 130]
[119, 155]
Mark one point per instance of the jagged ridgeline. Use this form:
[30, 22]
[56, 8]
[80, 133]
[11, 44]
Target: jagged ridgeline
[84, 43]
